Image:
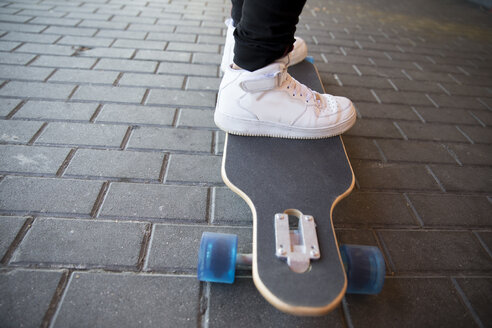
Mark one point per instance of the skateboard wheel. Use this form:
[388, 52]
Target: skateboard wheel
[310, 59]
[365, 268]
[217, 257]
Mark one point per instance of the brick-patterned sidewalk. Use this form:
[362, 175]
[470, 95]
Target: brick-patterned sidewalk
[110, 162]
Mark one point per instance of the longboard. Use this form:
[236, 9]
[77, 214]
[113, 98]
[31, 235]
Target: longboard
[277, 175]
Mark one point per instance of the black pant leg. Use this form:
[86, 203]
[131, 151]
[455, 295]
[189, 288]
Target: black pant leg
[237, 11]
[265, 31]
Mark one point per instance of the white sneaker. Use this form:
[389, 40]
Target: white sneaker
[270, 102]
[297, 54]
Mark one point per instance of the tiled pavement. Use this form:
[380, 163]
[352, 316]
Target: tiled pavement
[110, 162]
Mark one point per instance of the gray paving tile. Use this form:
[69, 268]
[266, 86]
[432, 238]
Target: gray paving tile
[452, 210]
[81, 243]
[476, 292]
[26, 296]
[108, 300]
[83, 76]
[63, 61]
[171, 139]
[64, 30]
[171, 37]
[373, 209]
[431, 132]
[374, 128]
[46, 49]
[8, 45]
[175, 247]
[18, 131]
[188, 69]
[140, 44]
[56, 110]
[152, 81]
[196, 118]
[162, 202]
[414, 151]
[402, 301]
[9, 228]
[41, 195]
[37, 90]
[24, 73]
[107, 52]
[124, 65]
[361, 148]
[115, 164]
[436, 251]
[15, 58]
[83, 134]
[229, 208]
[7, 105]
[85, 41]
[476, 179]
[202, 83]
[181, 98]
[166, 56]
[31, 159]
[235, 304]
[136, 114]
[194, 168]
[478, 134]
[109, 94]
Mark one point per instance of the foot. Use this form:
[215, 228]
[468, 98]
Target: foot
[297, 54]
[270, 102]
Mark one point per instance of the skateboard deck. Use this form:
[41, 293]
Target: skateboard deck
[274, 175]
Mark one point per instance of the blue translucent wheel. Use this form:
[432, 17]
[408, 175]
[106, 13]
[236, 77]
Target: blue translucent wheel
[217, 257]
[310, 59]
[365, 268]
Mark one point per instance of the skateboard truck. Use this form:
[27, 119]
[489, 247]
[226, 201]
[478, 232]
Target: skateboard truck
[299, 246]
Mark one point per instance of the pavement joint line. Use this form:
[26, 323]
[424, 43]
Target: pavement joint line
[400, 48]
[405, 137]
[388, 55]
[383, 157]
[346, 313]
[432, 100]
[465, 135]
[15, 109]
[452, 154]
[429, 170]
[374, 94]
[418, 114]
[385, 250]
[145, 247]
[315, 40]
[414, 210]
[463, 70]
[372, 61]
[164, 168]
[103, 192]
[324, 58]
[454, 79]
[467, 303]
[418, 66]
[37, 134]
[215, 149]
[17, 240]
[337, 78]
[484, 103]
[443, 89]
[96, 113]
[392, 84]
[358, 44]
[477, 119]
[342, 50]
[126, 137]
[204, 304]
[370, 37]
[63, 167]
[56, 299]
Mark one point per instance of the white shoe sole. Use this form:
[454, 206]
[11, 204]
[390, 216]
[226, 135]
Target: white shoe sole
[256, 128]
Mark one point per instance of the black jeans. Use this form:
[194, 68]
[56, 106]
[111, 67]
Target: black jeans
[264, 30]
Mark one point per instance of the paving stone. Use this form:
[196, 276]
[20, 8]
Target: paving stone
[37, 90]
[373, 209]
[132, 200]
[192, 47]
[194, 168]
[124, 65]
[356, 236]
[477, 179]
[24, 73]
[473, 154]
[476, 292]
[235, 303]
[31, 159]
[361, 148]
[202, 83]
[196, 118]
[198, 30]
[436, 251]
[109, 94]
[8, 45]
[169, 56]
[188, 69]
[64, 30]
[203, 58]
[171, 139]
[56, 110]
[15, 58]
[434, 132]
[106, 52]
[81, 243]
[478, 134]
[181, 98]
[121, 34]
[136, 114]
[108, 300]
[229, 208]
[46, 49]
[115, 164]
[415, 151]
[452, 210]
[103, 24]
[374, 128]
[134, 44]
[30, 37]
[55, 21]
[152, 81]
[393, 176]
[171, 37]
[85, 41]
[446, 115]
[18, 131]
[174, 248]
[401, 301]
[40, 195]
[83, 76]
[26, 296]
[389, 111]
[21, 27]
[150, 28]
[7, 105]
[83, 134]
[64, 61]
[9, 228]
